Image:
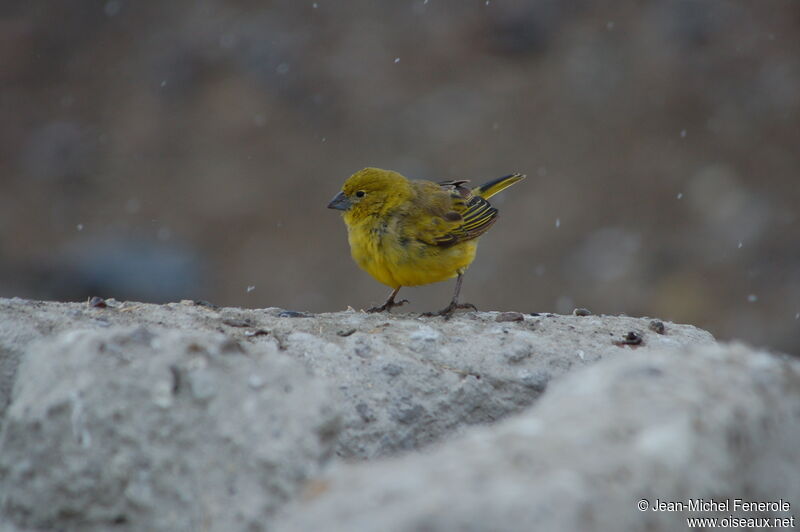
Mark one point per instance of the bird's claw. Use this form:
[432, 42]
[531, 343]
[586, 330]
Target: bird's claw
[448, 311]
[388, 306]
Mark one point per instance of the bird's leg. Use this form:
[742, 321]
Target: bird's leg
[390, 302]
[454, 304]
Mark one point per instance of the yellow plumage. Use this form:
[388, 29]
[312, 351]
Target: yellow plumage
[409, 233]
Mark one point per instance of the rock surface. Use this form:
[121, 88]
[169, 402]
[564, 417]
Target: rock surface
[713, 422]
[404, 381]
[146, 429]
[187, 416]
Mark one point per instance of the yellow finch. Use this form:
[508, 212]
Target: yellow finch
[409, 233]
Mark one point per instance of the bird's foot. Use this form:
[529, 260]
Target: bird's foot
[448, 311]
[388, 306]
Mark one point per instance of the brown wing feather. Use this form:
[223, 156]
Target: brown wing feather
[454, 214]
[476, 219]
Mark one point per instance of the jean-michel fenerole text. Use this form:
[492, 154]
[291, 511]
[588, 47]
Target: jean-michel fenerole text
[720, 505]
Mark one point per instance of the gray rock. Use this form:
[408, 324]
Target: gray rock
[408, 381]
[404, 381]
[712, 423]
[186, 416]
[147, 429]
[9, 361]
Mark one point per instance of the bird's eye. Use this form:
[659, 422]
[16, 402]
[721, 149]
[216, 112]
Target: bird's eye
[360, 194]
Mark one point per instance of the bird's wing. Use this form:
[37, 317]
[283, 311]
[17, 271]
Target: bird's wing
[452, 214]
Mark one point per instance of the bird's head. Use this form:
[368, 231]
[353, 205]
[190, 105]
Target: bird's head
[369, 190]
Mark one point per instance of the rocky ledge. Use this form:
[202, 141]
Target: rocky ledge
[186, 416]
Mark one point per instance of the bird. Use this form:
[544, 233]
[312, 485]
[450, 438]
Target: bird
[415, 232]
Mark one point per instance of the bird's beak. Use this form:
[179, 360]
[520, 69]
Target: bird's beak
[340, 202]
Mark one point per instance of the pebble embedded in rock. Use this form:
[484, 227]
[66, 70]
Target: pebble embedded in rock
[510, 316]
[236, 322]
[632, 338]
[97, 302]
[293, 314]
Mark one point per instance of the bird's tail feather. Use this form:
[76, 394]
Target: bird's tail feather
[487, 190]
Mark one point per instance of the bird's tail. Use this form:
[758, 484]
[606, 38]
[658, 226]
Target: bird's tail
[487, 190]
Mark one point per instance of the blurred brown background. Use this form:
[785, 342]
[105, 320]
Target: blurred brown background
[167, 150]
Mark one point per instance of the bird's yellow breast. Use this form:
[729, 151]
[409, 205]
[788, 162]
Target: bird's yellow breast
[396, 260]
